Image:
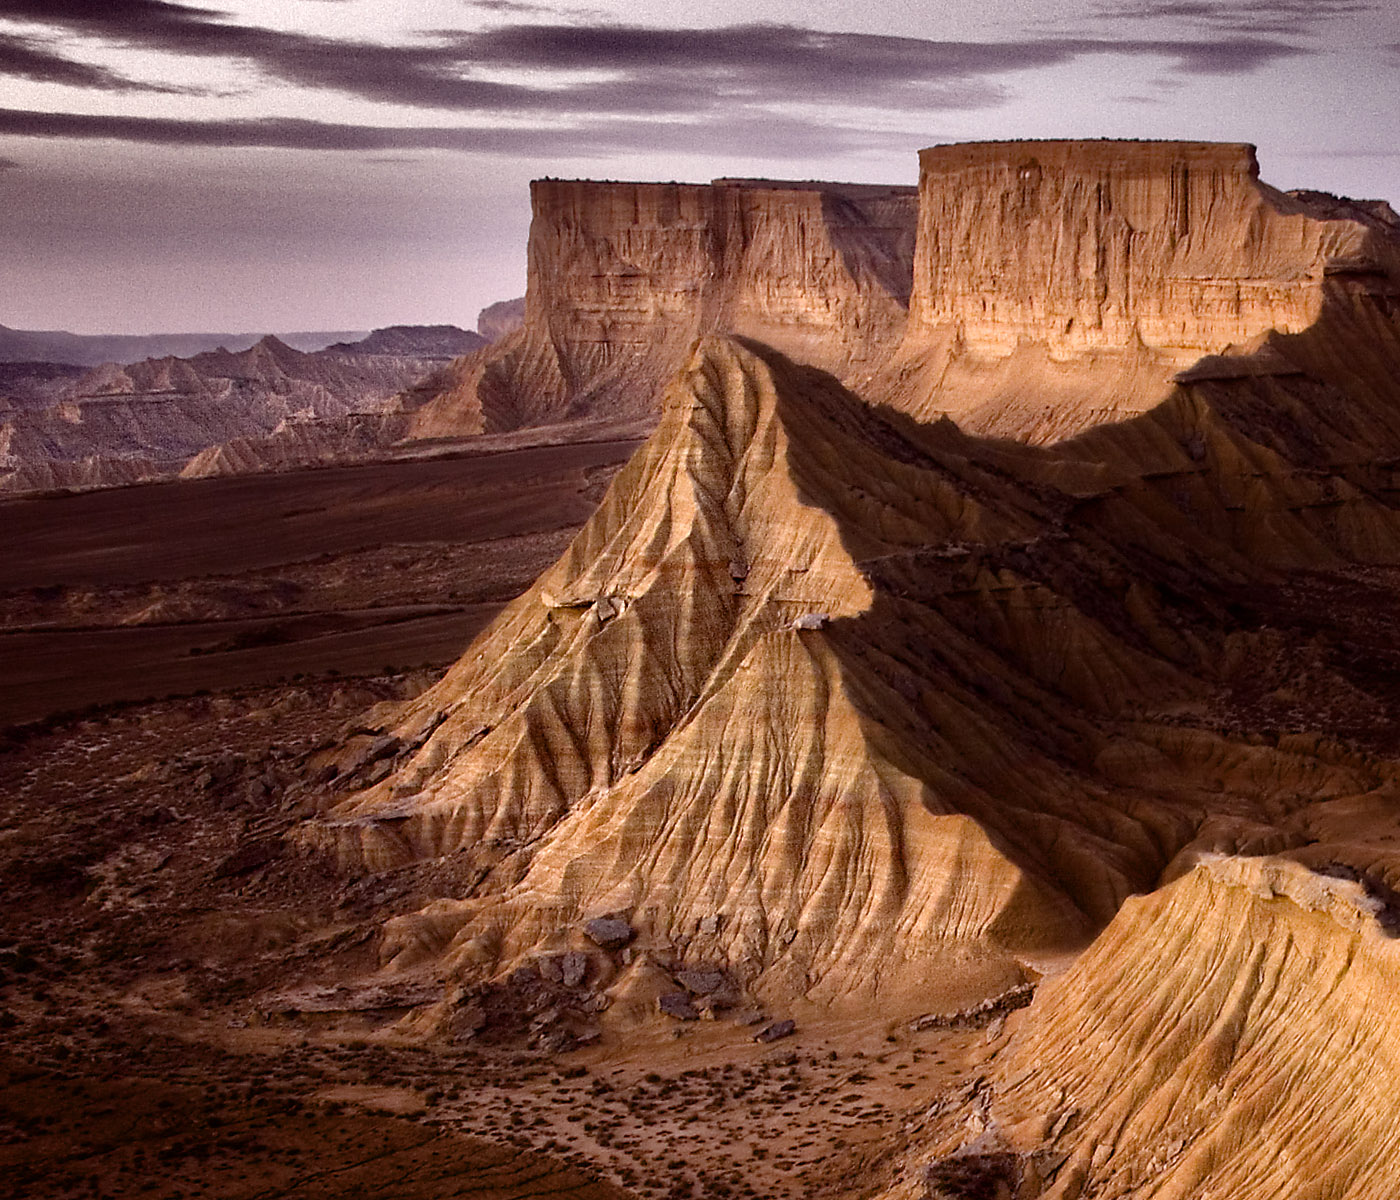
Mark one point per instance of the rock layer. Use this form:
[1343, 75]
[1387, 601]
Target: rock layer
[623, 276]
[1226, 1036]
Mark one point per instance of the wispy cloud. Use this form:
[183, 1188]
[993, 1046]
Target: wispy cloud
[1258, 17]
[30, 58]
[768, 135]
[11, 164]
[645, 70]
[522, 8]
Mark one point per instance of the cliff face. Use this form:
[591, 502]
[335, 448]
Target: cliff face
[624, 276]
[1084, 245]
[1059, 285]
[1054, 285]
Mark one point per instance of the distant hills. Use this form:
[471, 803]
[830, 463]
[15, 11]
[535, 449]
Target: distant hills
[91, 350]
[416, 341]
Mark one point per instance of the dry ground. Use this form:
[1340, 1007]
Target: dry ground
[150, 908]
[141, 592]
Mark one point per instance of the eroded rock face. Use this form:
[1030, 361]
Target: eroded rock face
[1058, 285]
[624, 276]
[1084, 245]
[844, 701]
[1224, 1036]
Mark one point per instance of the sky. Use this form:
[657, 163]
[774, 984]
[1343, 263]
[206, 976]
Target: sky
[251, 165]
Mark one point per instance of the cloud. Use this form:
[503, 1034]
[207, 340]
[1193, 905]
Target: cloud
[767, 135]
[649, 70]
[523, 8]
[26, 58]
[11, 164]
[1258, 17]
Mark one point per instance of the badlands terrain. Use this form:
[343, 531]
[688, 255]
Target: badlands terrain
[266, 407]
[861, 692]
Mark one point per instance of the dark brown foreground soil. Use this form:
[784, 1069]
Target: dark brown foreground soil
[142, 592]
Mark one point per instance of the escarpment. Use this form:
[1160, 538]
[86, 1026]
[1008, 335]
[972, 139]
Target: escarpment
[1027, 289]
[1058, 285]
[624, 276]
[1227, 1035]
[830, 694]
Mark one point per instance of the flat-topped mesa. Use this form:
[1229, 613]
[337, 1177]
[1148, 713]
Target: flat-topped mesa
[1087, 245]
[821, 270]
[624, 276]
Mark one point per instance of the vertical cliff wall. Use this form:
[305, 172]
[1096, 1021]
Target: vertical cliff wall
[1061, 284]
[624, 276]
[1091, 244]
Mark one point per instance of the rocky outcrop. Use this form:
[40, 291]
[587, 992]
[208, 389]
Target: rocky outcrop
[1061, 284]
[872, 695]
[497, 320]
[1226, 1036]
[624, 276]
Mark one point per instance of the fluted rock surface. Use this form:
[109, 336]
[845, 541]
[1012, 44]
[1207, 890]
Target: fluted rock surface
[1228, 1035]
[882, 695]
[848, 700]
[623, 276]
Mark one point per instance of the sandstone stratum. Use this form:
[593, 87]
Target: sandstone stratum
[1007, 584]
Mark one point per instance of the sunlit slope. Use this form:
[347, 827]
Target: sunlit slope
[1229, 1035]
[871, 692]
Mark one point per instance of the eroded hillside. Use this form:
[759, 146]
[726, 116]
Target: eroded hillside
[852, 704]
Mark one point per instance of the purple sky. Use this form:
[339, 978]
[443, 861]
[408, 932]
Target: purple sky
[296, 164]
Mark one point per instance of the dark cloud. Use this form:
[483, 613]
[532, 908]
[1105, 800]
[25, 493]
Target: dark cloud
[10, 164]
[662, 71]
[764, 135]
[25, 58]
[1257, 17]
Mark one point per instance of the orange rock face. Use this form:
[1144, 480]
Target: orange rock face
[861, 705]
[624, 276]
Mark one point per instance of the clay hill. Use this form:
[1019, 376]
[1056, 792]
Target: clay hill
[922, 651]
[218, 411]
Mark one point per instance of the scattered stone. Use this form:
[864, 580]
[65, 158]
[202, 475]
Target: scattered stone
[678, 1005]
[552, 970]
[609, 933]
[382, 747]
[702, 981]
[818, 620]
[573, 968]
[711, 923]
[778, 1029]
[985, 1013]
[249, 857]
[378, 772]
